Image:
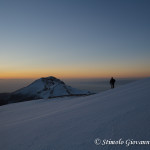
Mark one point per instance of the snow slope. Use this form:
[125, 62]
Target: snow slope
[74, 123]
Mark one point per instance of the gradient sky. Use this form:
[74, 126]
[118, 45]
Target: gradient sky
[74, 38]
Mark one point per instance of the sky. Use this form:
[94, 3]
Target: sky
[74, 38]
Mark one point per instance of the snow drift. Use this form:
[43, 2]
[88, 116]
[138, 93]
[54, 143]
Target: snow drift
[74, 123]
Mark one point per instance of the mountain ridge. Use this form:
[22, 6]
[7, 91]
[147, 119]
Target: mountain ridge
[44, 88]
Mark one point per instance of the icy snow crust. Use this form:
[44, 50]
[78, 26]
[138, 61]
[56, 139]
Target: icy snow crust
[74, 123]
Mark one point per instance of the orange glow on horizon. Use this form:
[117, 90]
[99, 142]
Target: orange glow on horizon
[76, 73]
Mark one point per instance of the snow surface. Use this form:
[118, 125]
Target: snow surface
[74, 123]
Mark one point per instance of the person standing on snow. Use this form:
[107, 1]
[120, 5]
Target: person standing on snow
[112, 82]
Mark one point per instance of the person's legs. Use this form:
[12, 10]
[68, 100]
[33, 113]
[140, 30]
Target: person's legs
[113, 86]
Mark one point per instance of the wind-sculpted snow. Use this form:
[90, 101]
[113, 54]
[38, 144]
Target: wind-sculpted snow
[74, 123]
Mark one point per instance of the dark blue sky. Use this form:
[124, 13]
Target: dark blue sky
[74, 38]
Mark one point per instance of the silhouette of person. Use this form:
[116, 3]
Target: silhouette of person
[112, 82]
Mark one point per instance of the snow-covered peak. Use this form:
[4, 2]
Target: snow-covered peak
[48, 87]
